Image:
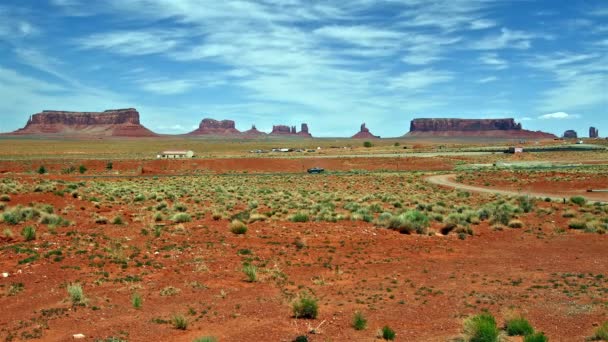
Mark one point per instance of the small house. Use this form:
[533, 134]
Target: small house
[516, 150]
[175, 154]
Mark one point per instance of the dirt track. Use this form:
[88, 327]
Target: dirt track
[448, 180]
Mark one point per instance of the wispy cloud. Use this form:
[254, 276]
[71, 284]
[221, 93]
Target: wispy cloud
[559, 115]
[494, 61]
[420, 79]
[133, 42]
[507, 39]
[488, 79]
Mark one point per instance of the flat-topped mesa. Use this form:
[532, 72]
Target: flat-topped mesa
[593, 133]
[364, 133]
[214, 127]
[442, 125]
[488, 128]
[284, 130]
[570, 134]
[113, 122]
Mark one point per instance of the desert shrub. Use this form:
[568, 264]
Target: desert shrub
[117, 220]
[7, 233]
[139, 198]
[101, 220]
[179, 322]
[42, 170]
[82, 169]
[601, 333]
[386, 333]
[109, 166]
[518, 326]
[359, 321]
[481, 328]
[136, 300]
[367, 144]
[577, 224]
[180, 207]
[29, 233]
[205, 339]
[578, 200]
[169, 291]
[299, 243]
[410, 221]
[299, 217]
[158, 217]
[5, 198]
[305, 307]
[536, 337]
[502, 214]
[569, 214]
[301, 338]
[238, 227]
[181, 218]
[526, 204]
[251, 272]
[76, 294]
[515, 224]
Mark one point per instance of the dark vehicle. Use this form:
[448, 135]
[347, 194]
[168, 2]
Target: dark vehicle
[315, 170]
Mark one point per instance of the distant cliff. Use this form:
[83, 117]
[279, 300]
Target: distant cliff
[364, 133]
[215, 127]
[283, 130]
[499, 128]
[113, 122]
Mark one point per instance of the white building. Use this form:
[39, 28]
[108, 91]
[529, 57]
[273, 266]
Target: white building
[175, 154]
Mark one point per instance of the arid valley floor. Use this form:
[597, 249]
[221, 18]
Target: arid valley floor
[100, 238]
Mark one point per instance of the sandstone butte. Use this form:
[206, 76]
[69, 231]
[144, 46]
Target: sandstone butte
[283, 130]
[487, 128]
[215, 127]
[113, 122]
[364, 133]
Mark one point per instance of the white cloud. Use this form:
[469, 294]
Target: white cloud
[420, 79]
[488, 79]
[507, 39]
[364, 36]
[133, 43]
[481, 24]
[492, 59]
[559, 115]
[167, 87]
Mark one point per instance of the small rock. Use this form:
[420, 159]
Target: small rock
[78, 336]
[5, 275]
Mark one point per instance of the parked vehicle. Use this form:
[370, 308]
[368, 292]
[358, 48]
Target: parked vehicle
[316, 170]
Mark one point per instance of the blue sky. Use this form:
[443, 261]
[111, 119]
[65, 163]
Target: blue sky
[332, 64]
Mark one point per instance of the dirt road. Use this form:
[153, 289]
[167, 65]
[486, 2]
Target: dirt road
[448, 180]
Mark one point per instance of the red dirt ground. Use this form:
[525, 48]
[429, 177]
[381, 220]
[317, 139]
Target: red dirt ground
[421, 286]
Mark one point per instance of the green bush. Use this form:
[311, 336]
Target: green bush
[481, 328]
[136, 300]
[367, 144]
[536, 337]
[76, 294]
[518, 326]
[503, 214]
[299, 217]
[601, 333]
[179, 322]
[117, 220]
[301, 338]
[578, 200]
[251, 272]
[238, 227]
[109, 166]
[359, 321]
[387, 333]
[412, 220]
[29, 233]
[577, 224]
[82, 169]
[305, 307]
[205, 339]
[181, 218]
[42, 170]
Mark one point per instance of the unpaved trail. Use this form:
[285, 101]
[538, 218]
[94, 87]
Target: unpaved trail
[448, 180]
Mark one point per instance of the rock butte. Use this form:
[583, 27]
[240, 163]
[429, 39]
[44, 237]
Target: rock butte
[113, 122]
[364, 133]
[593, 133]
[215, 127]
[283, 130]
[488, 128]
[570, 134]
